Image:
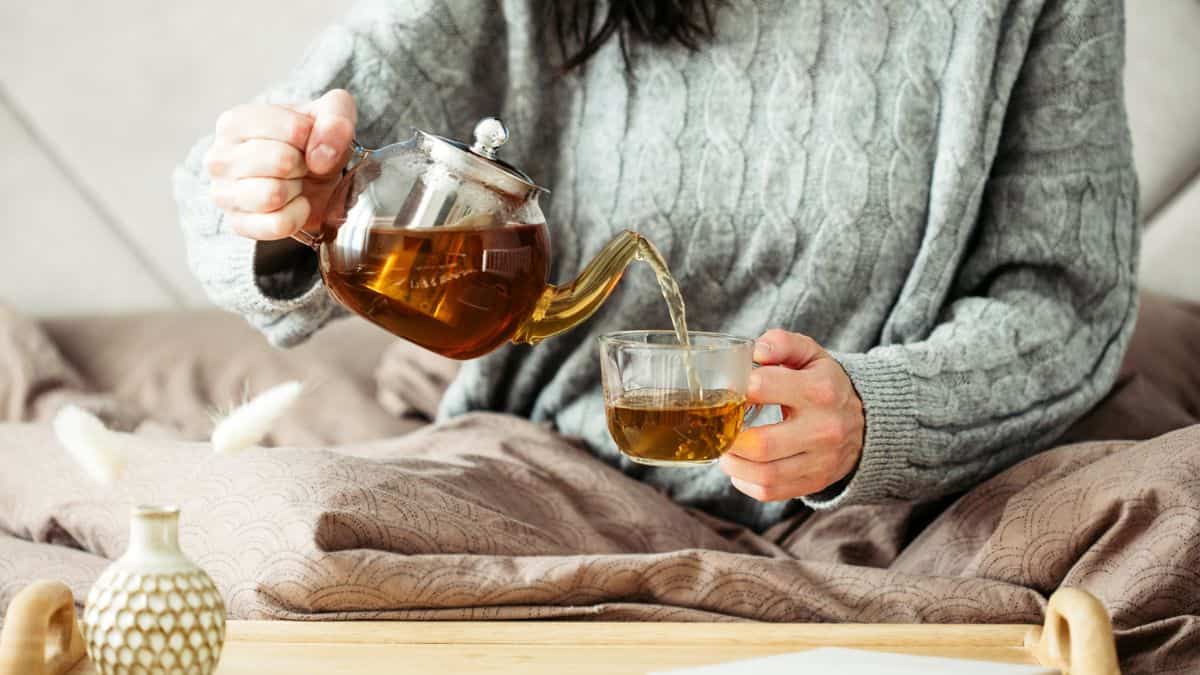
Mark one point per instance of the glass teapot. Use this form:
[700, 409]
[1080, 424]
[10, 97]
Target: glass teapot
[445, 245]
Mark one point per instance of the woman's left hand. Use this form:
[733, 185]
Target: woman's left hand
[820, 438]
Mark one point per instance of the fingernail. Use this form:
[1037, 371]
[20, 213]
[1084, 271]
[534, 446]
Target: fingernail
[761, 349]
[323, 154]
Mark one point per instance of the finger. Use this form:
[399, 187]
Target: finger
[774, 385]
[255, 195]
[787, 469]
[217, 159]
[767, 443]
[777, 493]
[270, 122]
[822, 385]
[810, 430]
[783, 348]
[335, 116]
[269, 226]
[259, 158]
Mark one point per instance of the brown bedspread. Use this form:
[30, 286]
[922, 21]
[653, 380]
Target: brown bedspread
[494, 517]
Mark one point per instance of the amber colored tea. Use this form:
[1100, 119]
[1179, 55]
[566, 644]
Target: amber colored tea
[672, 426]
[451, 289]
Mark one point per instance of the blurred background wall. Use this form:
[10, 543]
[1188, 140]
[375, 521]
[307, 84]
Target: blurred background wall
[100, 100]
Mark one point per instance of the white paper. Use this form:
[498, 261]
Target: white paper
[860, 662]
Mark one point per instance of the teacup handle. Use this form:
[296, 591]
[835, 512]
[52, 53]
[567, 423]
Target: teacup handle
[755, 408]
[358, 152]
[751, 413]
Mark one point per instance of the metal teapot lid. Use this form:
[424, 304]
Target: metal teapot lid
[479, 162]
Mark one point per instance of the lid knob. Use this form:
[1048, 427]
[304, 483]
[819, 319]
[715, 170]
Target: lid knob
[490, 134]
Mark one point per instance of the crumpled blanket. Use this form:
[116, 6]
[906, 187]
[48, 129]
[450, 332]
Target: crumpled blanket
[493, 517]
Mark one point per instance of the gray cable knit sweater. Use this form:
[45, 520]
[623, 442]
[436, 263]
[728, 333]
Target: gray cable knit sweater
[940, 192]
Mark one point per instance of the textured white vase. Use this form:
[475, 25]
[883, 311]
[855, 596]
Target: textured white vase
[153, 611]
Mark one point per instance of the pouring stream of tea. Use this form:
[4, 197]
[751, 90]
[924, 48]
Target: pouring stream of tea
[647, 253]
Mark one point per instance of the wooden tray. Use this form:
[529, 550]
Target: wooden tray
[41, 638]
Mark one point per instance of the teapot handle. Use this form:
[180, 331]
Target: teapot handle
[312, 241]
[358, 152]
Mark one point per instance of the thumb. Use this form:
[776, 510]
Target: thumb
[779, 347]
[335, 116]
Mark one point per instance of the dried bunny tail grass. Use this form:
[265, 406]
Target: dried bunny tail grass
[249, 423]
[101, 452]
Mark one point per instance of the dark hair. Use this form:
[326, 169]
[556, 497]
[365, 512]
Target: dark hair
[583, 26]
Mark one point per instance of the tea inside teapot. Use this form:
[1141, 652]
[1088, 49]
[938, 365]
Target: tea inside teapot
[460, 290]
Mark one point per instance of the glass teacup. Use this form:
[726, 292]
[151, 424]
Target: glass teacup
[657, 414]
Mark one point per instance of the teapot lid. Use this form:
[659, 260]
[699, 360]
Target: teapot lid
[479, 162]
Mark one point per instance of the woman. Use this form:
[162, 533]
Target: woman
[926, 210]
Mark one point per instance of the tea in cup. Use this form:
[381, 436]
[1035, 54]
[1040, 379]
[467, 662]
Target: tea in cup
[671, 404]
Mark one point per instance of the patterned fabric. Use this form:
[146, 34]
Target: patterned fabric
[940, 191]
[490, 516]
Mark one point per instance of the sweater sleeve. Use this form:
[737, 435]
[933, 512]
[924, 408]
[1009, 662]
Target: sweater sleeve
[1044, 300]
[400, 61]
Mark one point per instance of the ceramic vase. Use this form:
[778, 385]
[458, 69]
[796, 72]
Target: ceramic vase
[153, 611]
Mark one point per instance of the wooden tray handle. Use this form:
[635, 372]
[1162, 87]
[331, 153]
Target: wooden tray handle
[40, 635]
[1077, 636]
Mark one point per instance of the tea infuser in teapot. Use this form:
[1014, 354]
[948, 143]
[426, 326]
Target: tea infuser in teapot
[445, 245]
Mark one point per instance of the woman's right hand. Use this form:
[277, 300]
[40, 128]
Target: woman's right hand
[274, 167]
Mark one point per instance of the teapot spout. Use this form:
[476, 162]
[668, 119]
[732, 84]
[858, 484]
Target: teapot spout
[563, 307]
